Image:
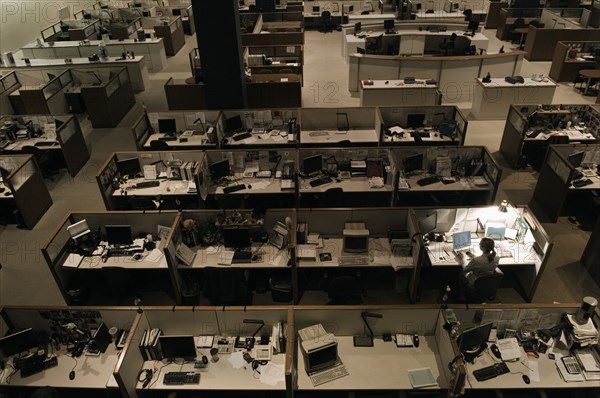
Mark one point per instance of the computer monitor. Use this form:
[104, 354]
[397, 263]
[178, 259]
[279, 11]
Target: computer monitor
[428, 224]
[474, 340]
[312, 164]
[18, 342]
[455, 6]
[495, 230]
[576, 158]
[473, 26]
[167, 126]
[233, 124]
[137, 5]
[235, 237]
[413, 163]
[388, 24]
[316, 9]
[357, 28]
[220, 169]
[321, 357]
[461, 240]
[447, 128]
[176, 12]
[101, 338]
[177, 347]
[415, 120]
[355, 240]
[348, 8]
[129, 167]
[118, 234]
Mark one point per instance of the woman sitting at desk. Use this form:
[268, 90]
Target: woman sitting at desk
[482, 265]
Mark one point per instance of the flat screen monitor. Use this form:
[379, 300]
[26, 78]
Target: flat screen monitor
[473, 26]
[415, 120]
[18, 342]
[576, 158]
[312, 164]
[495, 231]
[129, 167]
[316, 9]
[118, 234]
[348, 8]
[428, 224]
[356, 241]
[461, 240]
[233, 124]
[177, 347]
[167, 126]
[419, 6]
[220, 169]
[455, 6]
[472, 340]
[176, 12]
[388, 24]
[413, 163]
[321, 358]
[101, 338]
[357, 28]
[236, 238]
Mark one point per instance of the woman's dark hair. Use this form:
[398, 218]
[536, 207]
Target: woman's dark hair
[487, 246]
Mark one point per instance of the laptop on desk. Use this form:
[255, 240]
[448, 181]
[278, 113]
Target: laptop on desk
[461, 242]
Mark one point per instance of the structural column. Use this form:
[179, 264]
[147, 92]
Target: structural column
[220, 46]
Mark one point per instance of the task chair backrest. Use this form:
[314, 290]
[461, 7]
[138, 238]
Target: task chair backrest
[344, 290]
[158, 145]
[487, 286]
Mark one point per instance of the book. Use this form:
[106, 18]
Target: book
[421, 377]
[185, 254]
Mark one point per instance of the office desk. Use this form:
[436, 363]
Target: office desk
[492, 100]
[357, 192]
[260, 138]
[362, 137]
[269, 257]
[383, 366]
[396, 92]
[369, 18]
[17, 146]
[169, 191]
[589, 74]
[463, 191]
[449, 15]
[313, 20]
[220, 375]
[258, 192]
[96, 263]
[575, 135]
[194, 141]
[380, 255]
[90, 372]
[405, 138]
[595, 184]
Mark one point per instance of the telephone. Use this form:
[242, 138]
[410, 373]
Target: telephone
[287, 172]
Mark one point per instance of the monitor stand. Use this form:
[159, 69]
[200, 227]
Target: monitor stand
[472, 353]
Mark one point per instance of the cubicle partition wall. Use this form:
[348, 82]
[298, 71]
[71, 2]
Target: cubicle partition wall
[94, 375]
[30, 83]
[523, 249]
[176, 177]
[466, 175]
[24, 190]
[322, 127]
[262, 178]
[274, 90]
[68, 30]
[184, 96]
[47, 99]
[204, 231]
[454, 74]
[282, 59]
[170, 29]
[186, 12]
[293, 33]
[195, 130]
[530, 128]
[61, 137]
[446, 125]
[390, 261]
[567, 183]
[354, 177]
[572, 56]
[268, 127]
[85, 271]
[8, 83]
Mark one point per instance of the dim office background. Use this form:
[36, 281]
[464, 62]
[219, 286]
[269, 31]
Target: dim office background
[25, 279]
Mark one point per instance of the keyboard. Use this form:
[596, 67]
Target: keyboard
[353, 260]
[242, 136]
[428, 181]
[124, 251]
[242, 256]
[582, 182]
[38, 366]
[328, 375]
[320, 181]
[234, 188]
[168, 138]
[489, 372]
[264, 174]
[147, 184]
[181, 378]
[318, 133]
[421, 134]
[4, 144]
[45, 143]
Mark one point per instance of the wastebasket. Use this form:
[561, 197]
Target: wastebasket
[281, 289]
[76, 290]
[190, 291]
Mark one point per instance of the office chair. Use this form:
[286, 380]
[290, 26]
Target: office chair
[117, 280]
[142, 203]
[344, 290]
[535, 23]
[224, 286]
[514, 36]
[158, 145]
[44, 161]
[286, 70]
[332, 197]
[448, 44]
[252, 7]
[484, 288]
[468, 13]
[365, 12]
[264, 72]
[326, 22]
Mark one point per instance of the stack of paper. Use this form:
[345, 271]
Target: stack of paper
[586, 334]
[590, 363]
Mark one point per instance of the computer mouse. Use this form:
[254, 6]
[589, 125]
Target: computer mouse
[416, 340]
[72, 375]
[249, 186]
[2, 189]
[7, 193]
[526, 379]
[254, 258]
[496, 351]
[204, 359]
[137, 256]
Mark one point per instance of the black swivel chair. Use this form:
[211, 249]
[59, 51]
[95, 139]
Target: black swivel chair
[485, 288]
[226, 287]
[326, 22]
[448, 44]
[44, 161]
[344, 290]
[142, 204]
[158, 145]
[333, 197]
[514, 36]
[117, 280]
[468, 13]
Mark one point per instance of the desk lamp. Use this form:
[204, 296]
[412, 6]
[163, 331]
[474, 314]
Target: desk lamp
[503, 206]
[248, 342]
[366, 341]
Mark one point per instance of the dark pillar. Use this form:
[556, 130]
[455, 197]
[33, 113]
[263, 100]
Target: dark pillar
[220, 47]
